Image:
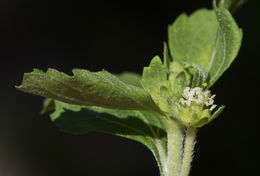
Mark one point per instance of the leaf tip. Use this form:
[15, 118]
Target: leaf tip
[18, 87]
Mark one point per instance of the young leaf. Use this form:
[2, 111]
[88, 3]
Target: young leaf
[154, 77]
[209, 39]
[191, 37]
[179, 83]
[226, 46]
[136, 125]
[176, 69]
[232, 5]
[86, 88]
[154, 81]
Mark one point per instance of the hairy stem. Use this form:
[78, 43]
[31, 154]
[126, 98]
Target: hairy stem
[174, 147]
[189, 143]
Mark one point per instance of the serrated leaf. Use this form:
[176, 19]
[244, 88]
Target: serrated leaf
[154, 77]
[191, 37]
[204, 38]
[154, 80]
[86, 88]
[136, 125]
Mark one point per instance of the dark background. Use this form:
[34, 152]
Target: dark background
[117, 36]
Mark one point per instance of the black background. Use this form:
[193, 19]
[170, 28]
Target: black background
[117, 36]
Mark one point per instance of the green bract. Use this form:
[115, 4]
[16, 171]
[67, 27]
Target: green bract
[162, 108]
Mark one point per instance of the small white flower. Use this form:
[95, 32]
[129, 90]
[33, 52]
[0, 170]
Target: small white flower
[182, 101]
[197, 95]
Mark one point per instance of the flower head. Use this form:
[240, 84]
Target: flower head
[198, 95]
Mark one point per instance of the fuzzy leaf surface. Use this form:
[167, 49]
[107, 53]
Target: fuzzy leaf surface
[135, 125]
[226, 45]
[208, 38]
[130, 78]
[191, 37]
[154, 78]
[87, 88]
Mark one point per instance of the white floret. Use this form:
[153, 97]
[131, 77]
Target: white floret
[197, 95]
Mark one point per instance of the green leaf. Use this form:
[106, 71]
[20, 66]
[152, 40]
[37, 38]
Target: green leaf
[179, 83]
[86, 88]
[166, 58]
[177, 69]
[154, 81]
[154, 77]
[48, 106]
[136, 125]
[130, 78]
[232, 5]
[207, 38]
[191, 37]
[226, 46]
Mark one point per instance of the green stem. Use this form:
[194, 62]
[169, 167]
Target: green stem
[189, 143]
[174, 147]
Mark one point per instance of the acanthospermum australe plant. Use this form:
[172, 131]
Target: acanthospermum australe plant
[163, 108]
